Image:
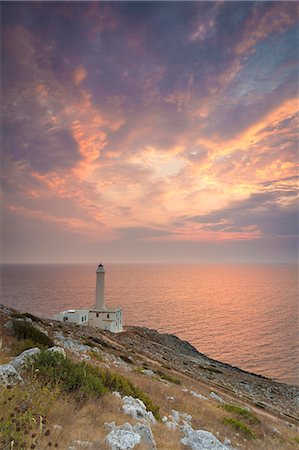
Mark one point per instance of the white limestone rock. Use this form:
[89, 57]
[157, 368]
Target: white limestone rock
[70, 344]
[123, 438]
[201, 440]
[216, 397]
[148, 372]
[175, 415]
[57, 350]
[24, 358]
[9, 376]
[137, 409]
[171, 425]
[197, 395]
[146, 435]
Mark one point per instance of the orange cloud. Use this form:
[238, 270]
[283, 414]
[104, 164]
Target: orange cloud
[79, 75]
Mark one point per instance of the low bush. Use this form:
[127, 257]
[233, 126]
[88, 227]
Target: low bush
[24, 330]
[240, 412]
[239, 426]
[84, 379]
[166, 377]
[53, 368]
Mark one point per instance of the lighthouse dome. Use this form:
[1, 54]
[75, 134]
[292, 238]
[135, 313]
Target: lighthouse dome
[100, 268]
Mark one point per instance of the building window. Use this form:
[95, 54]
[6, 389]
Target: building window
[82, 319]
[97, 314]
[108, 315]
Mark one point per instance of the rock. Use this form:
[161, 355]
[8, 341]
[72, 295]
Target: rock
[24, 358]
[117, 362]
[164, 419]
[227, 442]
[146, 435]
[8, 325]
[186, 417]
[216, 397]
[171, 425]
[195, 394]
[184, 389]
[57, 427]
[148, 372]
[9, 376]
[116, 394]
[171, 399]
[175, 415]
[70, 344]
[201, 440]
[57, 350]
[123, 438]
[137, 409]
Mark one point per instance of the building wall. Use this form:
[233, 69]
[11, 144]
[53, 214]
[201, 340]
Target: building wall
[106, 320]
[80, 317]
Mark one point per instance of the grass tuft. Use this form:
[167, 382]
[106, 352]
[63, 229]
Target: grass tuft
[239, 426]
[240, 412]
[166, 377]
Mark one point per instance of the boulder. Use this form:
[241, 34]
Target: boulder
[137, 409]
[148, 372]
[9, 376]
[216, 397]
[146, 435]
[201, 440]
[57, 350]
[123, 438]
[200, 396]
[24, 358]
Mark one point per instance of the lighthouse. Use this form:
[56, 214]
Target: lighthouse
[98, 317]
[100, 287]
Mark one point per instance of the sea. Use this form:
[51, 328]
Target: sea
[243, 315]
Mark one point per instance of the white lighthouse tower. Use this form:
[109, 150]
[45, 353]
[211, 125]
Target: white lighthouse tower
[98, 317]
[100, 287]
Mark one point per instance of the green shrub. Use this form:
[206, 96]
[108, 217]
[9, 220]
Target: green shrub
[240, 412]
[296, 439]
[166, 377]
[239, 426]
[84, 379]
[70, 376]
[24, 330]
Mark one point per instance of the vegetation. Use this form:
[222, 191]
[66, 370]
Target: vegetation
[23, 415]
[166, 377]
[296, 439]
[24, 330]
[84, 379]
[240, 412]
[239, 426]
[20, 346]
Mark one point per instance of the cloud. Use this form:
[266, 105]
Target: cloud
[79, 75]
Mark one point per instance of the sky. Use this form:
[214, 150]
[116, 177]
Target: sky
[149, 132]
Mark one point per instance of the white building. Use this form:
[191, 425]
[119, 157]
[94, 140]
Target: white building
[99, 316]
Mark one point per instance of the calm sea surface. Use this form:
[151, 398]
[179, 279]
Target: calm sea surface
[246, 316]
